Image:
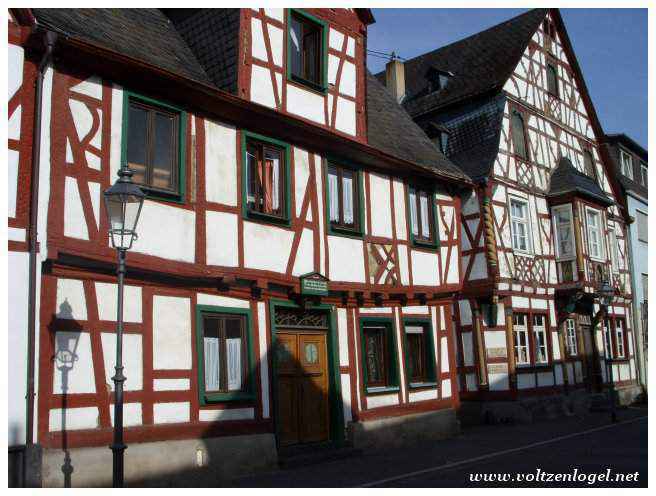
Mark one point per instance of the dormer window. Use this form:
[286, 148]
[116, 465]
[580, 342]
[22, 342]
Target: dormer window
[437, 79]
[627, 164]
[306, 49]
[588, 165]
[439, 135]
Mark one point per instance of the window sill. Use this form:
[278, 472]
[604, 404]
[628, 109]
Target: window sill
[422, 385]
[266, 218]
[210, 398]
[425, 244]
[382, 389]
[344, 232]
[154, 194]
[314, 87]
[522, 253]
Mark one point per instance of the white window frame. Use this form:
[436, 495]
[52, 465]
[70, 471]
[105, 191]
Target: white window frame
[525, 221]
[521, 329]
[570, 338]
[537, 331]
[554, 221]
[608, 339]
[588, 228]
[644, 174]
[614, 249]
[626, 163]
[619, 338]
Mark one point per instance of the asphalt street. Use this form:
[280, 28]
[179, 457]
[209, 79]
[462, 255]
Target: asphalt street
[587, 448]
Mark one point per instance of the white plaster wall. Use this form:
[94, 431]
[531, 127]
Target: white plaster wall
[132, 360]
[74, 418]
[171, 332]
[382, 400]
[79, 378]
[301, 177]
[264, 357]
[347, 82]
[221, 301]
[345, 117]
[305, 103]
[346, 259]
[131, 415]
[268, 247]
[465, 312]
[221, 234]
[342, 330]
[116, 132]
[424, 395]
[304, 262]
[335, 39]
[106, 296]
[171, 384]
[399, 209]
[74, 224]
[170, 413]
[261, 87]
[446, 388]
[176, 242]
[379, 195]
[425, 268]
[276, 39]
[258, 48]
[71, 302]
[346, 397]
[18, 269]
[226, 414]
[220, 163]
[12, 183]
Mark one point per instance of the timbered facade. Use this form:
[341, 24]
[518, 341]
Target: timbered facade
[542, 230]
[298, 250]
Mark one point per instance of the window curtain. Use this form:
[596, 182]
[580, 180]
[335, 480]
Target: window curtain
[333, 196]
[274, 160]
[425, 228]
[413, 213]
[211, 354]
[295, 35]
[251, 167]
[233, 349]
[347, 198]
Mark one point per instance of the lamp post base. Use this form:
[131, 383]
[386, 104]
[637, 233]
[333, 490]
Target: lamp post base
[117, 454]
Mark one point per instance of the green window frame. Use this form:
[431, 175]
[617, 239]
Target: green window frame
[174, 196]
[285, 217]
[434, 242]
[358, 213]
[391, 362]
[430, 379]
[247, 393]
[322, 86]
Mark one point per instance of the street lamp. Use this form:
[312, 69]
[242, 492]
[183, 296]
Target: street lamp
[123, 202]
[606, 296]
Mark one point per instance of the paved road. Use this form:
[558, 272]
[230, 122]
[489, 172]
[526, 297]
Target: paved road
[591, 445]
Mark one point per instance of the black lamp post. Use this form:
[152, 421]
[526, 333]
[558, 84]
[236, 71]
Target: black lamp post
[606, 296]
[123, 202]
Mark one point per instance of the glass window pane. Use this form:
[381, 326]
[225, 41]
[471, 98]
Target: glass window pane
[163, 153]
[518, 135]
[413, 213]
[425, 225]
[136, 149]
[251, 175]
[347, 196]
[311, 55]
[333, 194]
[295, 34]
[211, 353]
[271, 180]
[375, 355]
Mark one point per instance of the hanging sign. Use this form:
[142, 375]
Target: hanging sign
[314, 284]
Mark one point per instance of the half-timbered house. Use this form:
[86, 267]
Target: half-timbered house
[542, 229]
[298, 250]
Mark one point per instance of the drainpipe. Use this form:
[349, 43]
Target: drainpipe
[49, 40]
[637, 330]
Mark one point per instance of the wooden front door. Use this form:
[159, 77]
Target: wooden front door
[302, 375]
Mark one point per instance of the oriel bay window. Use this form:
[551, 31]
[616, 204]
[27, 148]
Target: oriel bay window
[153, 145]
[530, 339]
[519, 225]
[344, 199]
[619, 338]
[419, 353]
[564, 230]
[266, 178]
[593, 222]
[224, 354]
[379, 365]
[608, 339]
[421, 205]
[307, 50]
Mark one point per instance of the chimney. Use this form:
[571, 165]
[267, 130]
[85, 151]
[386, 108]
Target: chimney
[395, 78]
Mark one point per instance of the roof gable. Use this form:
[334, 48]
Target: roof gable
[566, 179]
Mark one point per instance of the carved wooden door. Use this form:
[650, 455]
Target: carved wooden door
[302, 375]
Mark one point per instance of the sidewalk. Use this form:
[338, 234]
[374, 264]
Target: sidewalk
[479, 443]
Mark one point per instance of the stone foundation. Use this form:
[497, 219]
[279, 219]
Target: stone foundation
[401, 430]
[207, 462]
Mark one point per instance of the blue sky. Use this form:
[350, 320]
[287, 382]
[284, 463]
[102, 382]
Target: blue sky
[610, 44]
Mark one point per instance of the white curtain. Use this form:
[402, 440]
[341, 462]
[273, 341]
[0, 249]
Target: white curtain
[347, 194]
[233, 348]
[295, 35]
[413, 213]
[211, 352]
[425, 229]
[333, 198]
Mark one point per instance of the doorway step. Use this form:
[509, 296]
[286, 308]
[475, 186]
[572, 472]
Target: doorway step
[312, 454]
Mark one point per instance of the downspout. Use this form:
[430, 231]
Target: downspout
[637, 317]
[49, 39]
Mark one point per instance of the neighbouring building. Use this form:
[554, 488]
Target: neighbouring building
[298, 254]
[544, 226]
[629, 165]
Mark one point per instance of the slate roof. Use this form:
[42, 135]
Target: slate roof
[392, 130]
[144, 34]
[566, 179]
[480, 63]
[213, 37]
